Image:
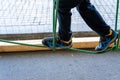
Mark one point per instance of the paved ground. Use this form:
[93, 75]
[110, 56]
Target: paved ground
[59, 65]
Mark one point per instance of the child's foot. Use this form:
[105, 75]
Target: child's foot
[106, 41]
[60, 44]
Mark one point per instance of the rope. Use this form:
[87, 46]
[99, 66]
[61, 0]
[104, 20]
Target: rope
[8, 41]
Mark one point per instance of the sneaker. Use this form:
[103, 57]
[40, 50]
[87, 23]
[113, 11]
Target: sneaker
[106, 41]
[60, 44]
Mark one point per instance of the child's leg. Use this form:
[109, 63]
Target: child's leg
[96, 22]
[64, 18]
[93, 18]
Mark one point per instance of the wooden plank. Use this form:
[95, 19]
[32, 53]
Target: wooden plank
[85, 42]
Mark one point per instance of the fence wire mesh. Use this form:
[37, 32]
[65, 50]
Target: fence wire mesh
[35, 16]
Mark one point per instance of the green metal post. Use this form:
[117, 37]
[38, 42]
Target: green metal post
[116, 23]
[55, 14]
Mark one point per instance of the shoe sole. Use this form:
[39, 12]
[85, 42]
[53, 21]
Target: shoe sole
[115, 38]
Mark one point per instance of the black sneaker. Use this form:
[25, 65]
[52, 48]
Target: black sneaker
[60, 44]
[106, 41]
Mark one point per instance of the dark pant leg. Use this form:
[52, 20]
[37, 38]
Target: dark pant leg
[93, 18]
[64, 18]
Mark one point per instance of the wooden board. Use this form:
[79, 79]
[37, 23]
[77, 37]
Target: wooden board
[84, 42]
